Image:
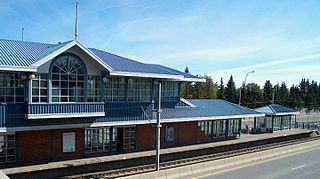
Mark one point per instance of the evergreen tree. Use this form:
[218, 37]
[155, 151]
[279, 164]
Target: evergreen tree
[231, 92]
[283, 94]
[267, 91]
[221, 90]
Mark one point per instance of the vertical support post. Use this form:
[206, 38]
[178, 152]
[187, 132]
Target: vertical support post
[272, 121]
[290, 122]
[227, 128]
[126, 88]
[239, 126]
[29, 91]
[158, 129]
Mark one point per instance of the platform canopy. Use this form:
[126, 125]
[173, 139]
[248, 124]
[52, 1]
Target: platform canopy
[276, 110]
[207, 109]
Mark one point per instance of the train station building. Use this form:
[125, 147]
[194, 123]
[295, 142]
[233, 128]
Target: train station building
[65, 101]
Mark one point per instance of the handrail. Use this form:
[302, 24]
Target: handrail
[52, 108]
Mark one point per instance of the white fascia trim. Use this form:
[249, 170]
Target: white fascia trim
[287, 113]
[146, 75]
[122, 123]
[188, 102]
[64, 115]
[211, 118]
[194, 80]
[156, 75]
[20, 69]
[32, 128]
[53, 54]
[92, 55]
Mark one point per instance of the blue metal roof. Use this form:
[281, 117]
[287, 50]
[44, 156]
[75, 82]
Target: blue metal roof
[207, 108]
[122, 64]
[20, 54]
[173, 71]
[276, 109]
[14, 53]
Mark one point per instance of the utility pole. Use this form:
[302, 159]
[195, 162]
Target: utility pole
[158, 141]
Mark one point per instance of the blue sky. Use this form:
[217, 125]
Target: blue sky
[280, 40]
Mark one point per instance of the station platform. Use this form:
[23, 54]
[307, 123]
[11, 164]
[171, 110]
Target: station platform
[135, 155]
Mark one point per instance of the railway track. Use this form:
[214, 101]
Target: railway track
[187, 161]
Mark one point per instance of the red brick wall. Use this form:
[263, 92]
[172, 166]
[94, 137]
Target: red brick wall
[79, 144]
[188, 133]
[35, 146]
[146, 136]
[185, 133]
[201, 136]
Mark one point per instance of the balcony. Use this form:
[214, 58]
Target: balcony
[65, 110]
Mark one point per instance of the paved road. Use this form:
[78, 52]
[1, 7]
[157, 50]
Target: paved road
[301, 166]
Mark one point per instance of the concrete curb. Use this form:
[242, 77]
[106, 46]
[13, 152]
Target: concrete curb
[223, 164]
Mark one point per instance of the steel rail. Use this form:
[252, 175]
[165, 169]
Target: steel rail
[188, 161]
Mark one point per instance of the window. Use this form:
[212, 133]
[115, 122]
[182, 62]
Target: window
[69, 142]
[139, 89]
[40, 88]
[12, 87]
[129, 138]
[93, 88]
[115, 89]
[68, 78]
[218, 128]
[7, 148]
[100, 140]
[169, 91]
[233, 127]
[169, 134]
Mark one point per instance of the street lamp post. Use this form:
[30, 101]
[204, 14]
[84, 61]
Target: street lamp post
[158, 127]
[244, 82]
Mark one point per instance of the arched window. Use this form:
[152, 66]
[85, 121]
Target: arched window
[68, 75]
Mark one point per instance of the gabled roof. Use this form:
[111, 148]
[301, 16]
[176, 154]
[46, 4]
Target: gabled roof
[187, 76]
[276, 110]
[27, 56]
[208, 109]
[22, 54]
[126, 67]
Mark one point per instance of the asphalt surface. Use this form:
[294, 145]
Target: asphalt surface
[300, 166]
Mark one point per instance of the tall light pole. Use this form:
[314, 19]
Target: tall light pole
[158, 141]
[244, 82]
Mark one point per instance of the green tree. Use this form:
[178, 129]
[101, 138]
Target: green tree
[267, 91]
[283, 94]
[210, 88]
[221, 90]
[231, 92]
[254, 95]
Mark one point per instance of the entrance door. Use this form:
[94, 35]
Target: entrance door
[120, 139]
